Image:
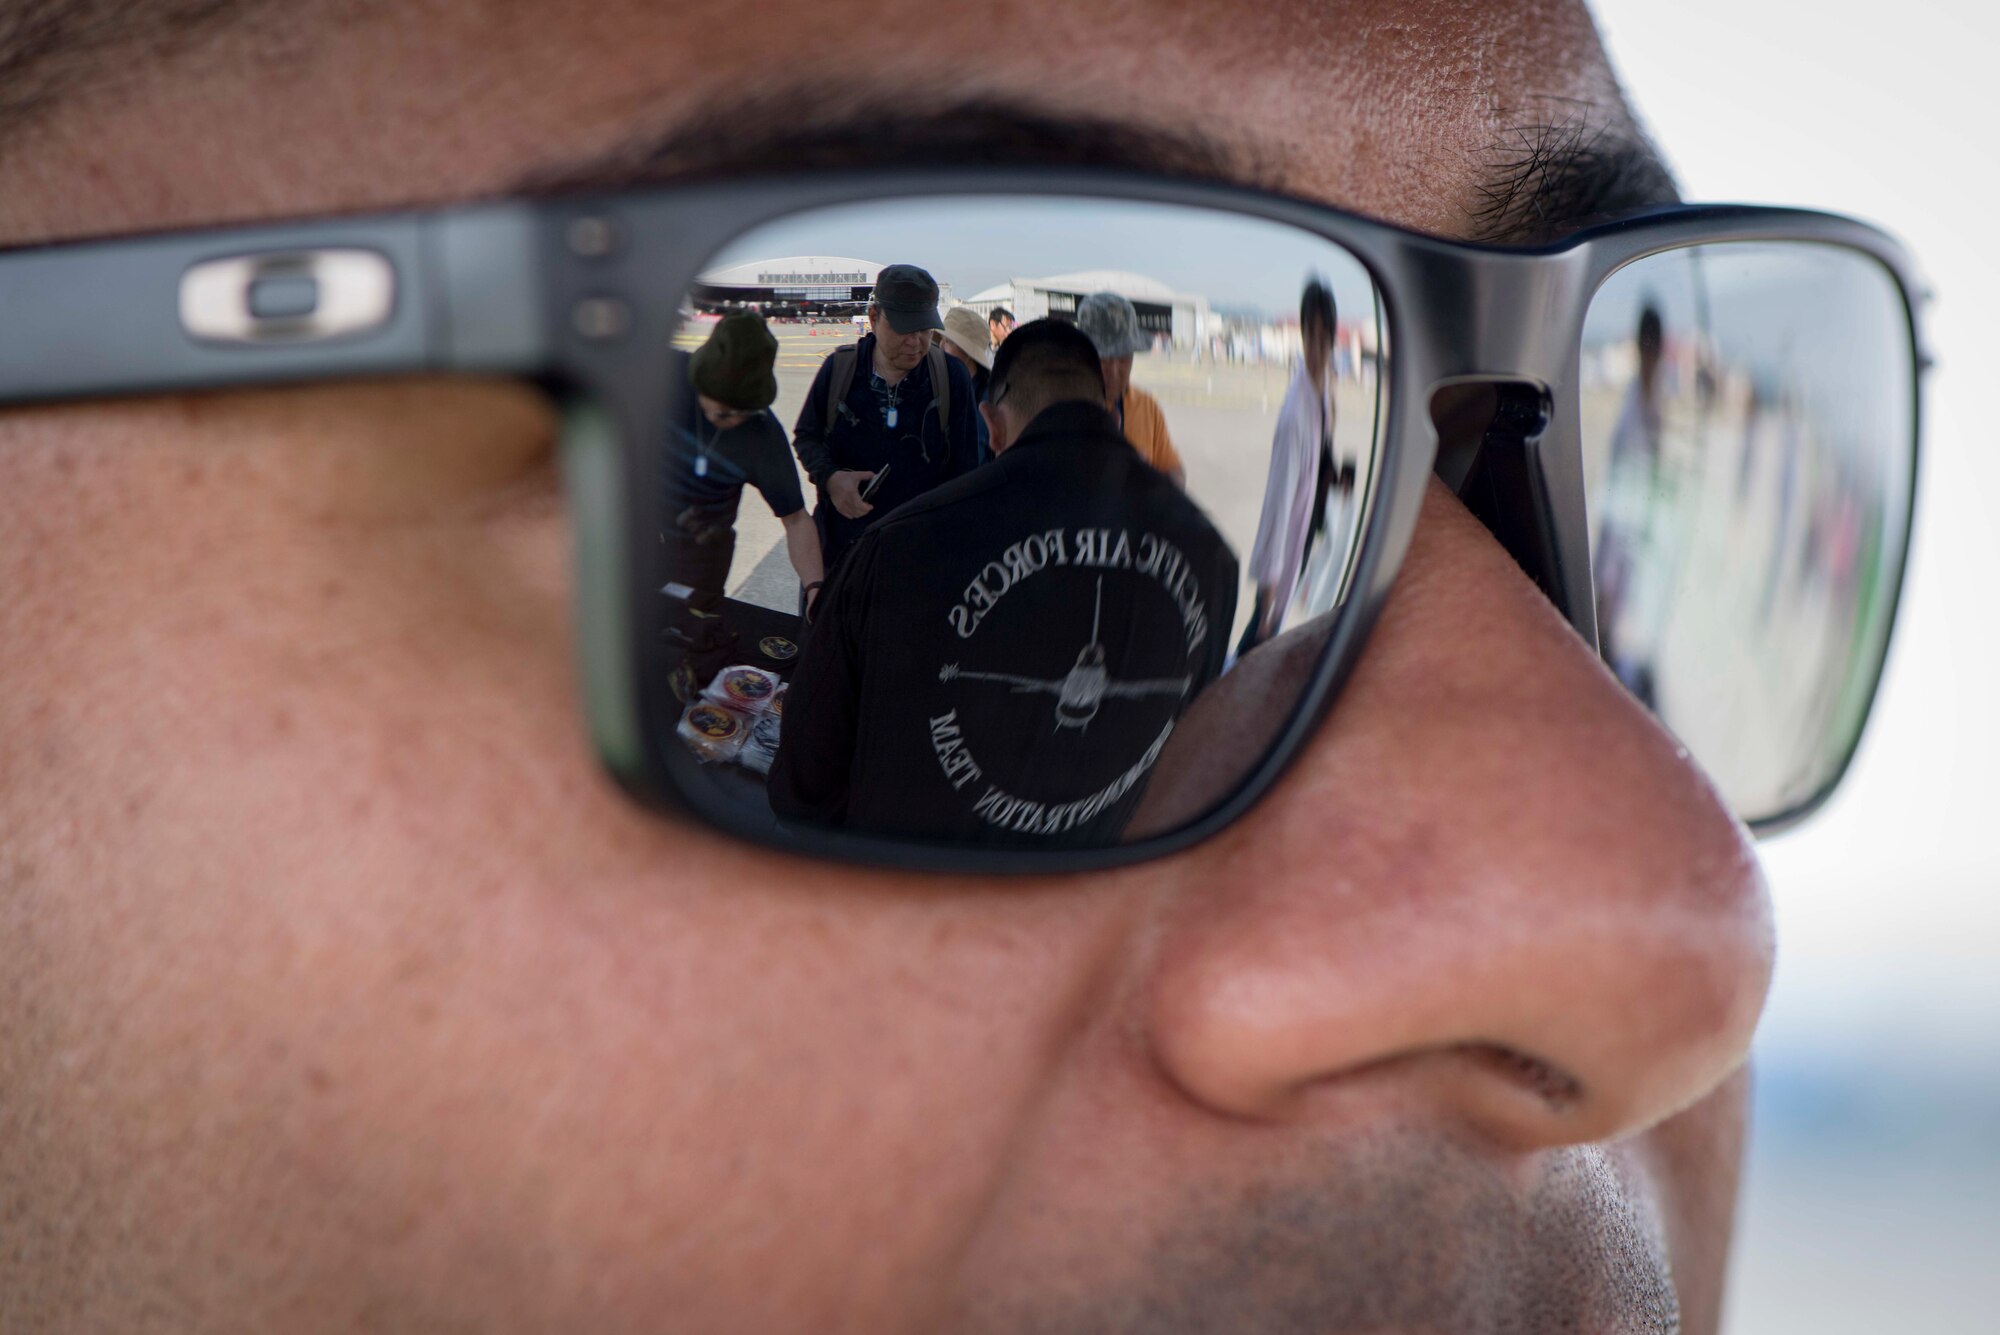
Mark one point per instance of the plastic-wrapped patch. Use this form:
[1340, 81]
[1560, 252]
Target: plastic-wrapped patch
[760, 749]
[714, 732]
[743, 687]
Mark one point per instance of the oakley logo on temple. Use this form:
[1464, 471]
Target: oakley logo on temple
[287, 297]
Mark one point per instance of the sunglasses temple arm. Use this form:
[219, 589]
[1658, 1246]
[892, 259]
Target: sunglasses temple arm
[455, 291]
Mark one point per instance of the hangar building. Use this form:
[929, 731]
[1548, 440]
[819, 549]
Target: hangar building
[1182, 319]
[793, 286]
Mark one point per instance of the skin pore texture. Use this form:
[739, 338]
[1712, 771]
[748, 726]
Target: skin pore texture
[340, 990]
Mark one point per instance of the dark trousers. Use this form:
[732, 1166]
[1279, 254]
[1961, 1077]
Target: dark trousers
[694, 623]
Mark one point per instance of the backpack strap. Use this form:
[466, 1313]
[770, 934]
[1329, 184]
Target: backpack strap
[840, 379]
[941, 392]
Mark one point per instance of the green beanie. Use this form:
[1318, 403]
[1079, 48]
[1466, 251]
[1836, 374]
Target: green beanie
[734, 366]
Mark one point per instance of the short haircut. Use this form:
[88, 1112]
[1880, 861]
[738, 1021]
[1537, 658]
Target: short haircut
[1316, 307]
[1000, 313]
[1042, 363]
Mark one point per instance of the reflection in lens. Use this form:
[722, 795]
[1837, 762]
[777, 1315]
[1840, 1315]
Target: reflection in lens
[1026, 563]
[1747, 411]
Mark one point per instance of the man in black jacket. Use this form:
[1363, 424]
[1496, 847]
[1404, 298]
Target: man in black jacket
[1022, 640]
[887, 419]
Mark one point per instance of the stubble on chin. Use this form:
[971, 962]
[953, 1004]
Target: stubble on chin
[1400, 1235]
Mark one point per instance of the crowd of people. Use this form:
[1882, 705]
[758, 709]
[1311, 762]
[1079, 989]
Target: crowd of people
[1002, 570]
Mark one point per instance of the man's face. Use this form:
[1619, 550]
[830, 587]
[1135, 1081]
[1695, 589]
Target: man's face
[1117, 375]
[1318, 349]
[902, 351]
[964, 358]
[344, 991]
[1000, 327]
[720, 414]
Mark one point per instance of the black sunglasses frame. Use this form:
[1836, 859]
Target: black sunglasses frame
[581, 294]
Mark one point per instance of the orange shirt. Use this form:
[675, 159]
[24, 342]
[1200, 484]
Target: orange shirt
[1146, 429]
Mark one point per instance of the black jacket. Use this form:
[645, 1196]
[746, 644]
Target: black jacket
[1002, 659]
[919, 451]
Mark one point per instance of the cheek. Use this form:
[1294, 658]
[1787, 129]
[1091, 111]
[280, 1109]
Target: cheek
[359, 922]
[1696, 1158]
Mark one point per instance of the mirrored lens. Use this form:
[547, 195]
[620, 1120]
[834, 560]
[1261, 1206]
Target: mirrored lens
[1747, 424]
[973, 505]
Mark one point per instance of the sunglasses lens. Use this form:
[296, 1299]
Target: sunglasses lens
[1748, 412]
[1042, 556]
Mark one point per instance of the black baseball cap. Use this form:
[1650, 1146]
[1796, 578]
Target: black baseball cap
[909, 297]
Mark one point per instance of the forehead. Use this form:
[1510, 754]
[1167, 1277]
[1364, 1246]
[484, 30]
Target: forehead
[1388, 108]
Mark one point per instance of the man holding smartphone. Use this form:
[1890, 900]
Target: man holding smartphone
[875, 482]
[890, 399]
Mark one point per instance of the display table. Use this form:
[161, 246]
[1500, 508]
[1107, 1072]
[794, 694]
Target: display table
[753, 625]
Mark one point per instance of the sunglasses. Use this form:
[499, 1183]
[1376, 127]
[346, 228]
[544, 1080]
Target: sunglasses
[1696, 429]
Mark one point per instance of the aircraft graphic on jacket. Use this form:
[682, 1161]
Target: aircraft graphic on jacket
[1084, 688]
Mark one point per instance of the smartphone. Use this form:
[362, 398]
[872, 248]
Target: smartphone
[868, 492]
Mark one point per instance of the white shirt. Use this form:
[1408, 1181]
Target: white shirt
[1277, 555]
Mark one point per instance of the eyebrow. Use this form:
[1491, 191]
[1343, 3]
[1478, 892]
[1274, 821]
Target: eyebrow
[793, 131]
[1545, 177]
[1552, 174]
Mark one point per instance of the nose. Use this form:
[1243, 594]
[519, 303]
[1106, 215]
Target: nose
[1492, 884]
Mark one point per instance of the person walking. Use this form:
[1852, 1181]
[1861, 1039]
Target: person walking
[1296, 525]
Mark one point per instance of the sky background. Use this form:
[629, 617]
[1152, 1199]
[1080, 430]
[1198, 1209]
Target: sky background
[1873, 1200]
[1239, 264]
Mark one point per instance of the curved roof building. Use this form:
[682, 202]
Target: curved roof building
[1179, 317]
[794, 284]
